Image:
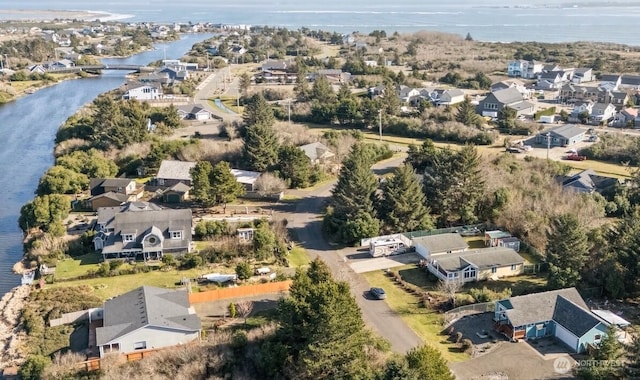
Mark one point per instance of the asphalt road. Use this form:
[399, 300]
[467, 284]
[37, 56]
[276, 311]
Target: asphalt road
[218, 83]
[305, 221]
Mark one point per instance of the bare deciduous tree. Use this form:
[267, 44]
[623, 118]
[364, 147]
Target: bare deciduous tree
[450, 288]
[269, 183]
[243, 309]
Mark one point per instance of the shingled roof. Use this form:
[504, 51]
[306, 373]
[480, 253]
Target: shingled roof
[539, 307]
[146, 306]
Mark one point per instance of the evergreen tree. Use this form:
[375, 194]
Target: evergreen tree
[390, 100]
[224, 186]
[605, 358]
[322, 92]
[258, 111]
[244, 84]
[302, 89]
[422, 157]
[507, 119]
[454, 186]
[428, 363]
[632, 358]
[264, 242]
[622, 268]
[323, 327]
[260, 147]
[200, 184]
[352, 196]
[466, 113]
[567, 251]
[347, 109]
[294, 166]
[403, 206]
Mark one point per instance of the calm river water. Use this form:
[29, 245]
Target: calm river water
[28, 127]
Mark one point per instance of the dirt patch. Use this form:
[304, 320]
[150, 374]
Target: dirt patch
[11, 334]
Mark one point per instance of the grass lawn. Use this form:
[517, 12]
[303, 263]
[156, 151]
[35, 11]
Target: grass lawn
[475, 242]
[76, 267]
[298, 257]
[232, 104]
[107, 287]
[524, 284]
[425, 322]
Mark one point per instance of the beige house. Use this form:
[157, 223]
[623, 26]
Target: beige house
[480, 264]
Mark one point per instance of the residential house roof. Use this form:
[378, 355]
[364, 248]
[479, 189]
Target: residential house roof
[97, 185]
[611, 317]
[588, 181]
[551, 67]
[580, 71]
[522, 106]
[191, 109]
[497, 234]
[245, 176]
[316, 151]
[539, 307]
[453, 92]
[146, 306]
[107, 214]
[508, 96]
[178, 188]
[599, 108]
[484, 258]
[573, 317]
[610, 78]
[180, 170]
[630, 80]
[157, 222]
[568, 131]
[118, 197]
[441, 243]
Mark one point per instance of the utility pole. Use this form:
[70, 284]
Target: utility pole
[289, 104]
[548, 143]
[380, 123]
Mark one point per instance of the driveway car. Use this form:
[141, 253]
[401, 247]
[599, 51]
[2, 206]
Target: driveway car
[378, 293]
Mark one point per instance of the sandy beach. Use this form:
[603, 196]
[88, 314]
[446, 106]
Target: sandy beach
[11, 334]
[42, 15]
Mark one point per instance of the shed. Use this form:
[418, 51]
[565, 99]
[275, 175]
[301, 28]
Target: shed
[492, 238]
[510, 242]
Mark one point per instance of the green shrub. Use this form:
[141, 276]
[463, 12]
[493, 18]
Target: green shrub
[33, 367]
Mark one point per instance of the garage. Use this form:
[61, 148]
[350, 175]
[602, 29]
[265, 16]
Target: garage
[566, 337]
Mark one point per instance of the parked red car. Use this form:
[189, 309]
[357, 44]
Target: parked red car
[576, 157]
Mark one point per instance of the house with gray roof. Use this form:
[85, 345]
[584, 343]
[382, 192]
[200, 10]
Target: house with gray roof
[631, 82]
[602, 113]
[476, 265]
[508, 97]
[427, 246]
[587, 181]
[142, 231]
[582, 75]
[317, 152]
[563, 135]
[172, 172]
[193, 112]
[147, 318]
[562, 314]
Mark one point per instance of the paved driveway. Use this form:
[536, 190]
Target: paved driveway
[370, 264]
[510, 361]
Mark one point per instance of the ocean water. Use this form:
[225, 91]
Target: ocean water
[492, 20]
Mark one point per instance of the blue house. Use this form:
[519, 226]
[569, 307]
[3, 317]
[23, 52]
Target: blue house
[562, 314]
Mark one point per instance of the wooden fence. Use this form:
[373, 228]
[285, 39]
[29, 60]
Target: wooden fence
[240, 291]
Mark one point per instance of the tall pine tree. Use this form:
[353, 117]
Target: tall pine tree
[352, 215]
[201, 187]
[466, 113]
[258, 111]
[567, 251]
[403, 207]
[260, 148]
[224, 186]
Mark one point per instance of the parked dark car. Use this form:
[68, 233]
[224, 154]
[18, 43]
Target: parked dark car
[469, 231]
[378, 293]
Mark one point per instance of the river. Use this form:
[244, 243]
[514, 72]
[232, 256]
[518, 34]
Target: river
[28, 127]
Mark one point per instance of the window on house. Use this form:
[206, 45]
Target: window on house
[115, 347]
[176, 234]
[514, 266]
[140, 345]
[494, 269]
[597, 337]
[128, 237]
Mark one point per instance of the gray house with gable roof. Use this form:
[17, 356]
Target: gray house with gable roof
[564, 135]
[562, 314]
[476, 265]
[508, 97]
[142, 231]
[147, 318]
